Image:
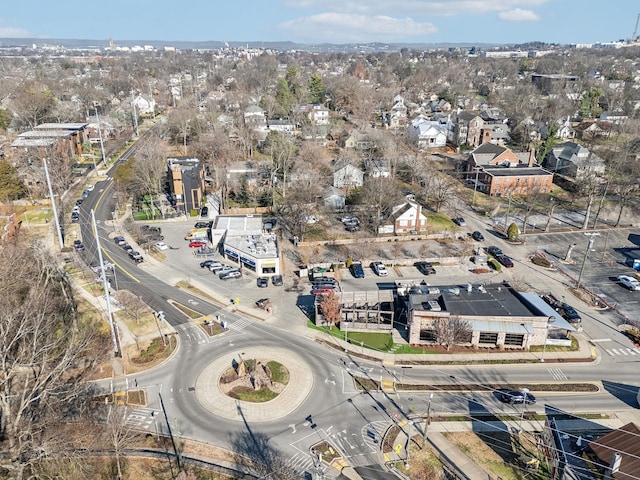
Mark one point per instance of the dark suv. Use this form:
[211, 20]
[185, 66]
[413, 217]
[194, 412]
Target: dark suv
[357, 270]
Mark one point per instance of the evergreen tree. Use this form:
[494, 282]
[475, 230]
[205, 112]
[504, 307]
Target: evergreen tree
[11, 185]
[316, 89]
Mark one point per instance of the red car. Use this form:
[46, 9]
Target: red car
[321, 291]
[197, 243]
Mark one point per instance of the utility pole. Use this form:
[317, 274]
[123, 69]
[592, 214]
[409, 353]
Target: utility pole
[135, 114]
[475, 187]
[53, 204]
[100, 136]
[426, 427]
[586, 254]
[107, 294]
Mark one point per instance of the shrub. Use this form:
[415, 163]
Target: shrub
[540, 261]
[513, 232]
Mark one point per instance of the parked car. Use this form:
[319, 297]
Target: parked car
[514, 396]
[321, 291]
[357, 270]
[493, 250]
[206, 263]
[276, 280]
[90, 187]
[79, 201]
[201, 225]
[197, 243]
[161, 246]
[204, 211]
[262, 282]
[504, 260]
[75, 217]
[127, 248]
[230, 274]
[352, 228]
[135, 256]
[477, 236]
[85, 193]
[460, 221]
[216, 267]
[226, 268]
[565, 310]
[310, 219]
[425, 268]
[120, 241]
[323, 279]
[151, 229]
[630, 282]
[263, 303]
[77, 244]
[379, 269]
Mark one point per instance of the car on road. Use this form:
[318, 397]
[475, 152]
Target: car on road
[120, 241]
[493, 250]
[77, 244]
[204, 211]
[504, 260]
[230, 274]
[356, 270]
[459, 221]
[197, 243]
[477, 236]
[379, 269]
[161, 246]
[262, 282]
[630, 282]
[425, 268]
[514, 396]
[276, 280]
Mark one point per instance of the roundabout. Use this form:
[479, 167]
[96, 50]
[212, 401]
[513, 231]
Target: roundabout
[211, 396]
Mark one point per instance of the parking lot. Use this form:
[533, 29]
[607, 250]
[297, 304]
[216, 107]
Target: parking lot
[601, 268]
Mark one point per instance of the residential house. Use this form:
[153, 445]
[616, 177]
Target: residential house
[282, 125]
[397, 116]
[499, 171]
[333, 198]
[621, 443]
[590, 129]
[144, 106]
[255, 118]
[565, 130]
[428, 134]
[465, 128]
[494, 316]
[66, 139]
[500, 132]
[574, 160]
[378, 167]
[186, 182]
[319, 115]
[347, 176]
[359, 141]
[408, 218]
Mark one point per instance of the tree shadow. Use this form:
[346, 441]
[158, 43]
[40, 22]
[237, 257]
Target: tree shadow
[261, 458]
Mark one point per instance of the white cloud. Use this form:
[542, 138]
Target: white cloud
[345, 27]
[519, 15]
[414, 8]
[7, 31]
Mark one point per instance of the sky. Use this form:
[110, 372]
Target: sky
[325, 21]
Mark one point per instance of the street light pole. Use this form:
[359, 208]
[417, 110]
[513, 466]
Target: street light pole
[406, 463]
[475, 187]
[426, 427]
[524, 403]
[546, 336]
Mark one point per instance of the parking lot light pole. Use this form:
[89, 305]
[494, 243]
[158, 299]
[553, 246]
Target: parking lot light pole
[586, 254]
[546, 336]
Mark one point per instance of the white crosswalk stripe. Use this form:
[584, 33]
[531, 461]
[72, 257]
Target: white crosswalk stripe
[301, 462]
[139, 418]
[557, 374]
[239, 324]
[372, 434]
[622, 351]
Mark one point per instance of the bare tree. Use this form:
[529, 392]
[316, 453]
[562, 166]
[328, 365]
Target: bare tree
[451, 330]
[380, 195]
[149, 170]
[439, 190]
[120, 435]
[45, 353]
[330, 308]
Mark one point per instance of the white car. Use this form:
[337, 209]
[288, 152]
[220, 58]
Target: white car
[90, 187]
[310, 219]
[379, 269]
[162, 246]
[629, 282]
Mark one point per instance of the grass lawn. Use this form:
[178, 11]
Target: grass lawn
[438, 221]
[186, 310]
[279, 373]
[250, 395]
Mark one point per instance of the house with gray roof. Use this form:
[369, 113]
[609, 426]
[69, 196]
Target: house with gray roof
[574, 160]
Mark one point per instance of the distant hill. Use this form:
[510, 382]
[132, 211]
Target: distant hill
[208, 45]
